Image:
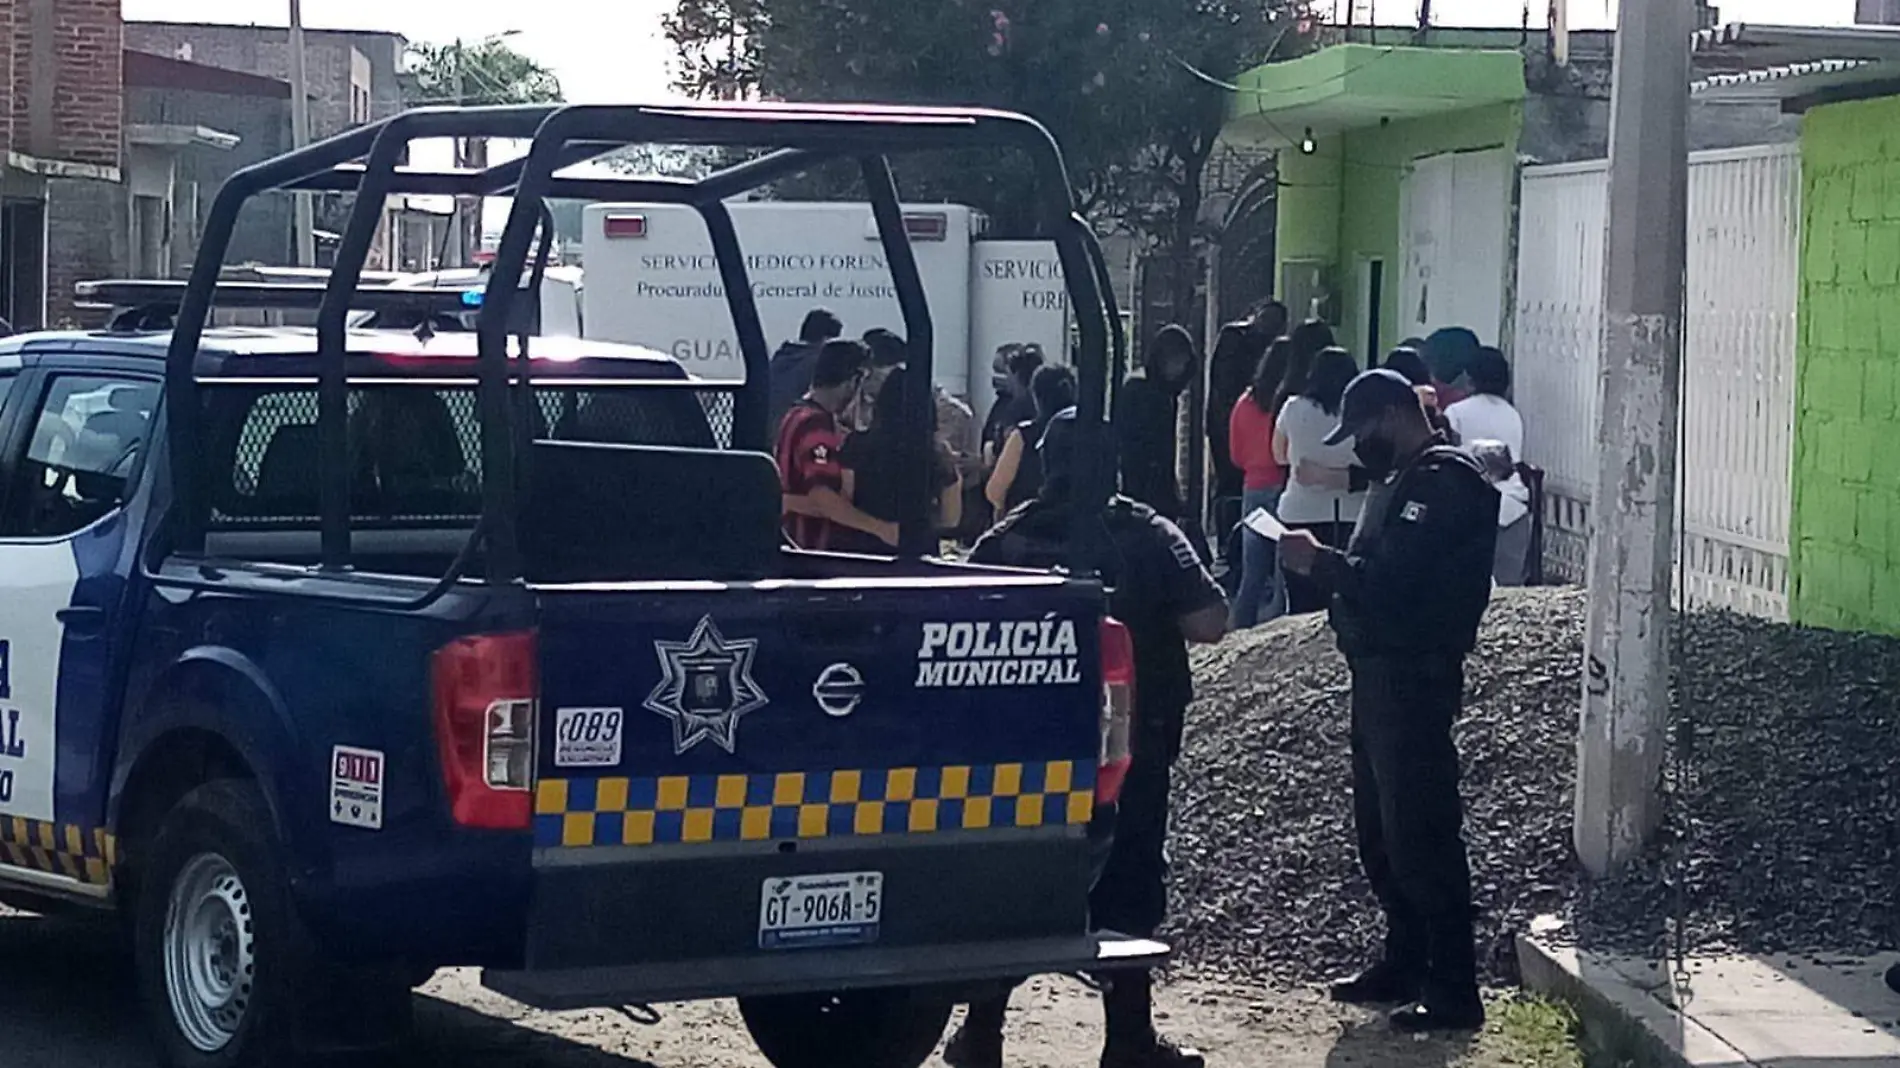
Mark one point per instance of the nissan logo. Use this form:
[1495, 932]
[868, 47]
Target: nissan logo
[838, 690]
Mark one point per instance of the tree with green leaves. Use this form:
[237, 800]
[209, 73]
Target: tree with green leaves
[488, 71]
[484, 72]
[1135, 91]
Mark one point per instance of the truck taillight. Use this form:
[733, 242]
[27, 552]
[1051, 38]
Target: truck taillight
[484, 727]
[1118, 711]
[620, 225]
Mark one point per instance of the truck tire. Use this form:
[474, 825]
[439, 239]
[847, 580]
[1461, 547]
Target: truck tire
[226, 973]
[892, 1027]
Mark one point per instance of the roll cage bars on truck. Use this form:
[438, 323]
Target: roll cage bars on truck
[366, 162]
[960, 808]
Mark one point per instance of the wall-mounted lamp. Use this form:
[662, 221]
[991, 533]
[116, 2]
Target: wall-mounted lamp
[1308, 146]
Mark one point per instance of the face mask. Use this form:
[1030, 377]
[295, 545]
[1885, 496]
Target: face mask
[1377, 456]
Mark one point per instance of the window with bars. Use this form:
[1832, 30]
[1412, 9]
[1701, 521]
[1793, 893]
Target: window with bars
[415, 450]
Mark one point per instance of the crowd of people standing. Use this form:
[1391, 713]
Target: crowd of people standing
[837, 406]
[1272, 391]
[1268, 438]
[1398, 490]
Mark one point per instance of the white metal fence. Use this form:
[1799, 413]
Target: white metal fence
[1738, 395]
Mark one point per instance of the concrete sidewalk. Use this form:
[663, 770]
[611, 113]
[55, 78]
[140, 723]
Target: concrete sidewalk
[1785, 1011]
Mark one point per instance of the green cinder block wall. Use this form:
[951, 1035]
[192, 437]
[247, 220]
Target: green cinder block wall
[1845, 535]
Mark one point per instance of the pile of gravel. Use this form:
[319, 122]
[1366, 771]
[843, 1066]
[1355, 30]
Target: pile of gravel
[1788, 833]
[1790, 810]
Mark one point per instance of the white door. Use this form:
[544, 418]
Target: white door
[61, 535]
[1424, 222]
[1454, 219]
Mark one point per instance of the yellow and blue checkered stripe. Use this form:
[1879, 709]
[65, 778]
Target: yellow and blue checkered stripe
[773, 806]
[58, 849]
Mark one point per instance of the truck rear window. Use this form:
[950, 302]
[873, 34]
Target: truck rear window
[415, 450]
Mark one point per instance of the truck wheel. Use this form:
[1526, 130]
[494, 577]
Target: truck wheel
[226, 973]
[215, 942]
[894, 1027]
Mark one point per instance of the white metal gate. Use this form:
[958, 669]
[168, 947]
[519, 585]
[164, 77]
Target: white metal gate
[1738, 395]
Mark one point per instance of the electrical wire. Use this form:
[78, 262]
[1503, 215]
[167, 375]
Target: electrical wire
[491, 83]
[1385, 51]
[1274, 127]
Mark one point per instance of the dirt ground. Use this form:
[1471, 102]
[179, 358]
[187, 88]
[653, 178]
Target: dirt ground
[1055, 1023]
[65, 1002]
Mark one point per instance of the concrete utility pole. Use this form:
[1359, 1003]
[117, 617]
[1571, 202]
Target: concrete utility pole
[458, 229]
[1626, 666]
[471, 153]
[305, 211]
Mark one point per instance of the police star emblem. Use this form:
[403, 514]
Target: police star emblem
[705, 687]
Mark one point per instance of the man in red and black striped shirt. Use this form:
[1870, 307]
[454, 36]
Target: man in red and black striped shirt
[816, 485]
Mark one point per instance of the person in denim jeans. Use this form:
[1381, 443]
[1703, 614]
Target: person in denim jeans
[1262, 594]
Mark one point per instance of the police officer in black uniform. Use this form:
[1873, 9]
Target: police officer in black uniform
[1407, 595]
[1161, 591]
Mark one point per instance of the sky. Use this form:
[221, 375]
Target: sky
[613, 51]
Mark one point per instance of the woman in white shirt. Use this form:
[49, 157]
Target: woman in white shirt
[1318, 496]
[1487, 416]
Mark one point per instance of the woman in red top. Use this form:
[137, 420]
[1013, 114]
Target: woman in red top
[1261, 596]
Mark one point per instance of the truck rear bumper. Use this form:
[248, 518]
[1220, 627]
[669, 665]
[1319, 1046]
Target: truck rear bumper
[801, 972]
[607, 907]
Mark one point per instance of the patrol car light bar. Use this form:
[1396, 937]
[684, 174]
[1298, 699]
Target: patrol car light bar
[149, 295]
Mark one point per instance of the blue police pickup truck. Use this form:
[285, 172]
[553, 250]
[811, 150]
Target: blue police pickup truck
[330, 657]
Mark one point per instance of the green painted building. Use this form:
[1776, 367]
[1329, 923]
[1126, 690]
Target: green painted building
[1845, 532]
[1397, 176]
[1397, 214]
[1399, 155]
[1844, 529]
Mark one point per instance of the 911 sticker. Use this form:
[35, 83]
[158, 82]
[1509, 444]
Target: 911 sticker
[356, 787]
[588, 737]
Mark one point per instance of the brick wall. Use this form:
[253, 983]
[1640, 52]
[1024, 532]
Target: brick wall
[87, 100]
[1846, 529]
[88, 103]
[86, 239]
[162, 90]
[329, 57]
[6, 76]
[19, 79]
[87, 90]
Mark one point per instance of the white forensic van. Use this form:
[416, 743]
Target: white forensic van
[652, 280]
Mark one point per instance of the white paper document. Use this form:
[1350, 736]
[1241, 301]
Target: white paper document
[1265, 524]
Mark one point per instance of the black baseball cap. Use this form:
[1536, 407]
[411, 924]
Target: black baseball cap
[1369, 396]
